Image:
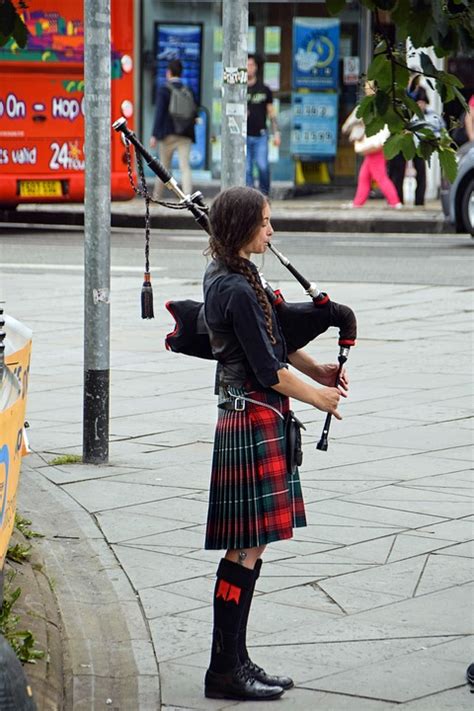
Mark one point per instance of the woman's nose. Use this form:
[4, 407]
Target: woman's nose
[270, 229]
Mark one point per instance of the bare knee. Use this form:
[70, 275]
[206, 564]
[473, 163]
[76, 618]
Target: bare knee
[245, 556]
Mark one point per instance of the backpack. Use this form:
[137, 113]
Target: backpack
[182, 109]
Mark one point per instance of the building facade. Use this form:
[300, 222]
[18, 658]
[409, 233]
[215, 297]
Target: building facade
[312, 63]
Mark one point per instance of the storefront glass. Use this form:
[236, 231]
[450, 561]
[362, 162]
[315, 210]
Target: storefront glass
[271, 35]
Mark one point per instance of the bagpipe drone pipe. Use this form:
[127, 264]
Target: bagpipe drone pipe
[300, 322]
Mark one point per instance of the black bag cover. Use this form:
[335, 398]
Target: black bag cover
[190, 335]
[300, 323]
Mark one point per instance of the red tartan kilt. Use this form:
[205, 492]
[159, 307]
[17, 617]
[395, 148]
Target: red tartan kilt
[253, 499]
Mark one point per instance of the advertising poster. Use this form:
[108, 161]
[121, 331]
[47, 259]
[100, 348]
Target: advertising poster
[252, 40]
[271, 75]
[217, 80]
[351, 70]
[184, 42]
[314, 125]
[218, 40]
[272, 40]
[315, 53]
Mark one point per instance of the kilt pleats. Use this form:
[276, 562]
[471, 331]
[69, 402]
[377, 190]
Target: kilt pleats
[253, 499]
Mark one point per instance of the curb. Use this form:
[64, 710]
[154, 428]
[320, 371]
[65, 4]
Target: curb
[108, 658]
[282, 220]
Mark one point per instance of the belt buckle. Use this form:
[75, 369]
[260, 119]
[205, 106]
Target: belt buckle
[239, 404]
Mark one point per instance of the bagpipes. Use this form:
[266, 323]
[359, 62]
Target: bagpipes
[300, 322]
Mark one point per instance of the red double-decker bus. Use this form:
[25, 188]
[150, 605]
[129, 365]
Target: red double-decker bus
[42, 104]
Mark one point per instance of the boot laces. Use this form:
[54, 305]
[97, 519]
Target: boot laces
[253, 668]
[245, 673]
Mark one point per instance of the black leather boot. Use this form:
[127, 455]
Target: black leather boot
[238, 684]
[226, 678]
[272, 680]
[258, 673]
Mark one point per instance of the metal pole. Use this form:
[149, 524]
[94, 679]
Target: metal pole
[365, 39]
[97, 231]
[235, 23]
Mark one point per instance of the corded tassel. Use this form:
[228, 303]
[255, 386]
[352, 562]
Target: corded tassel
[147, 297]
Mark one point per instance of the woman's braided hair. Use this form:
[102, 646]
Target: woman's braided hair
[235, 216]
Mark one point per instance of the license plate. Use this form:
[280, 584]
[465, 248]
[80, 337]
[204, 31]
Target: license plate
[41, 188]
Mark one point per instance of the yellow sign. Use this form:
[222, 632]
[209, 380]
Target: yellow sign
[12, 446]
[41, 188]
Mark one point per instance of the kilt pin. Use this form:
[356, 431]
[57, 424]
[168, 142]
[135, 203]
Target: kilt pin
[253, 498]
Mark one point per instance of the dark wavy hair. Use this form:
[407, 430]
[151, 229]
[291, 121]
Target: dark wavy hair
[235, 216]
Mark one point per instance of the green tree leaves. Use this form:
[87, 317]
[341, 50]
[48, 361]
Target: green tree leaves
[447, 159]
[335, 6]
[11, 25]
[445, 25]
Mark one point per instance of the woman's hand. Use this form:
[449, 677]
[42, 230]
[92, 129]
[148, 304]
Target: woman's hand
[327, 399]
[326, 374]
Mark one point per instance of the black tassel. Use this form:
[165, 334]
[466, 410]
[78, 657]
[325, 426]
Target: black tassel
[147, 298]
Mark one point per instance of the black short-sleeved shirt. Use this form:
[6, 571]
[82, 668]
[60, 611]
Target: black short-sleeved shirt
[236, 325]
[258, 97]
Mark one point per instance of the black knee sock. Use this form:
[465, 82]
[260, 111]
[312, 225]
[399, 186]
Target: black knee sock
[242, 642]
[233, 588]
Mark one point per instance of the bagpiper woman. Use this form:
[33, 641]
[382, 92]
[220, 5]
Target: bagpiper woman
[254, 498]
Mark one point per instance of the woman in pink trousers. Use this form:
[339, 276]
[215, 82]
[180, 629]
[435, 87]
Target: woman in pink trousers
[374, 165]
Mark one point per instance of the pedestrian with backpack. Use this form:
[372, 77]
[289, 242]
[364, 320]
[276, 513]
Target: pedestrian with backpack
[173, 129]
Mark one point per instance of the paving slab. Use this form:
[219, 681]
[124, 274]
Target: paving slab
[407, 545]
[103, 495]
[460, 549]
[456, 530]
[373, 513]
[457, 699]
[148, 568]
[426, 613]
[325, 660]
[395, 580]
[397, 680]
[442, 572]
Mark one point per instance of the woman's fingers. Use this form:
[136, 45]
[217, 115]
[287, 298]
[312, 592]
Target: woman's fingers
[344, 379]
[333, 397]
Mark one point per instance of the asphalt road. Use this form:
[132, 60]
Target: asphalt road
[322, 257]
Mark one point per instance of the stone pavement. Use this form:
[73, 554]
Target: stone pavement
[369, 607]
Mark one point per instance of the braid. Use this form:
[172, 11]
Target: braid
[241, 266]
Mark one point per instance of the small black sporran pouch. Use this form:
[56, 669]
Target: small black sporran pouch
[294, 449]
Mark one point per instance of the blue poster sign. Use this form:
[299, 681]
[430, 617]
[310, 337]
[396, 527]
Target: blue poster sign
[197, 154]
[315, 53]
[314, 124]
[184, 42]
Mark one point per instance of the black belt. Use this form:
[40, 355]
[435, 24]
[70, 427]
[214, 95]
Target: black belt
[236, 405]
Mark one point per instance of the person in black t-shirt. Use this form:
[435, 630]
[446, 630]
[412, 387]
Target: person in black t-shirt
[259, 109]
